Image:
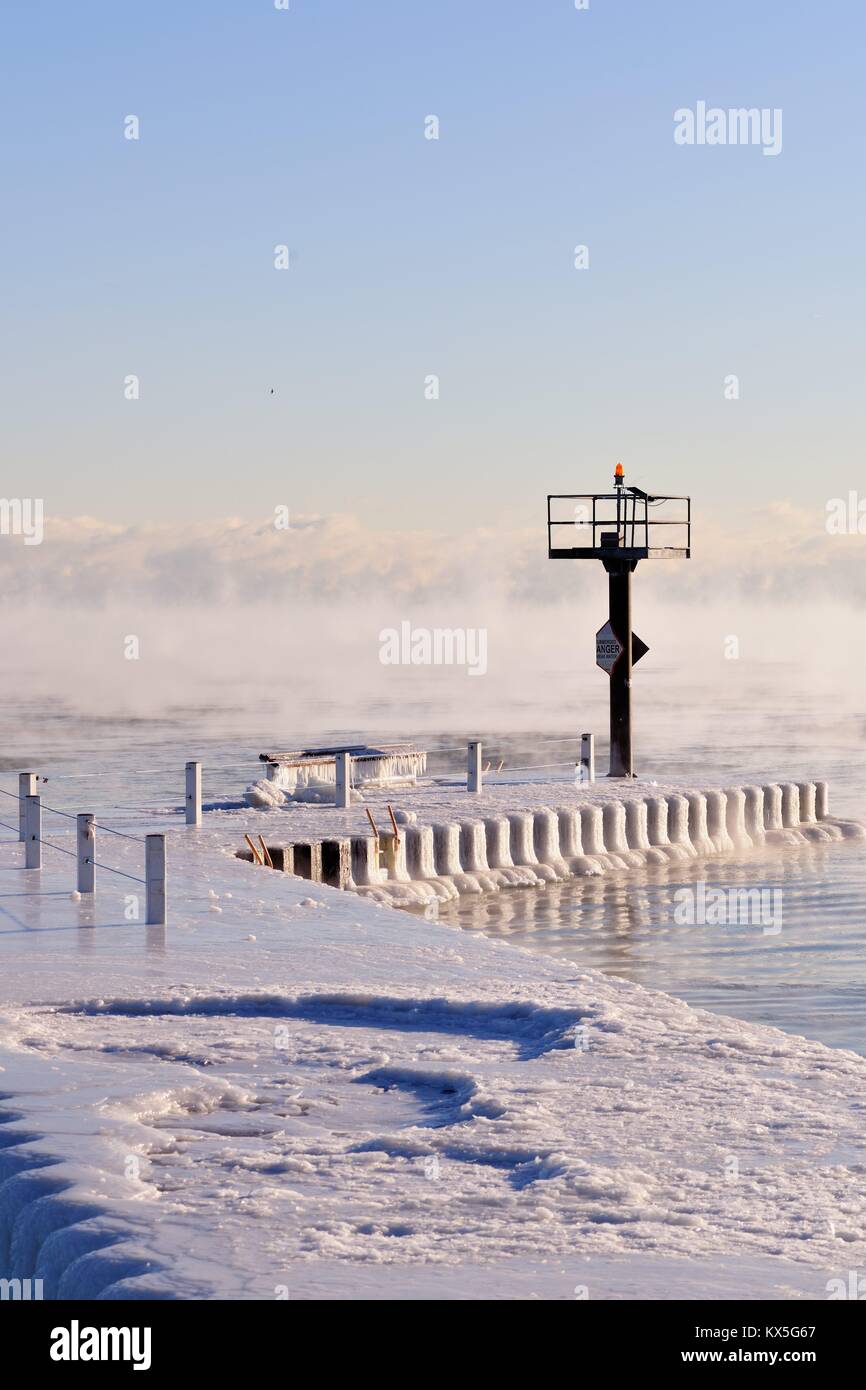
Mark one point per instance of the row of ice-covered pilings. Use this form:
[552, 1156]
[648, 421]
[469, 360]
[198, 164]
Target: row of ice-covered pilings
[529, 848]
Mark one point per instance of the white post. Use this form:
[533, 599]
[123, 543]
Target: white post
[193, 793]
[473, 768]
[342, 794]
[587, 758]
[154, 879]
[32, 832]
[26, 787]
[86, 836]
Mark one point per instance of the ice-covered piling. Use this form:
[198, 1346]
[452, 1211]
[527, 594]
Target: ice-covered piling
[497, 831]
[615, 837]
[523, 846]
[678, 824]
[597, 835]
[546, 842]
[717, 821]
[571, 844]
[637, 833]
[473, 849]
[735, 813]
[592, 830]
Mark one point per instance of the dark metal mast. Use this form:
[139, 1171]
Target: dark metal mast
[617, 647]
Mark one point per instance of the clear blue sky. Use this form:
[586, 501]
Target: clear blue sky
[413, 256]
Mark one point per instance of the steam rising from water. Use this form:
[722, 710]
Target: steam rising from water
[268, 673]
[259, 636]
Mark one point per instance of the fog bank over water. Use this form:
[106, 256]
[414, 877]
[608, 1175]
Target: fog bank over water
[271, 668]
[239, 631]
[783, 554]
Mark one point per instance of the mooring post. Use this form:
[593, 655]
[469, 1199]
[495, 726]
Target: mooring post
[587, 758]
[193, 793]
[343, 789]
[26, 787]
[86, 839]
[154, 879]
[473, 767]
[32, 832]
[619, 587]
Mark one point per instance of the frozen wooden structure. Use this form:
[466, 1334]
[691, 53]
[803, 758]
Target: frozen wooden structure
[415, 864]
[381, 765]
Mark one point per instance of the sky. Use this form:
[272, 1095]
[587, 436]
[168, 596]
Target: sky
[412, 257]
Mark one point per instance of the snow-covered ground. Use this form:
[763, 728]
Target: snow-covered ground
[292, 1092]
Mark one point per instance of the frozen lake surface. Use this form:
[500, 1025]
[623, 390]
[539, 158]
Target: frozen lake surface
[291, 1092]
[809, 977]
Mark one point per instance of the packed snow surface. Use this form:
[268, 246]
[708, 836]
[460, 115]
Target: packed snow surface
[293, 1092]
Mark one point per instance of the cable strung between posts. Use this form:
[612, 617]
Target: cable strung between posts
[73, 855]
[54, 811]
[110, 870]
[139, 839]
[138, 772]
[59, 848]
[107, 867]
[535, 767]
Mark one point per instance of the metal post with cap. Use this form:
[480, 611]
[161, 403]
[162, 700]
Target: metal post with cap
[619, 574]
[619, 535]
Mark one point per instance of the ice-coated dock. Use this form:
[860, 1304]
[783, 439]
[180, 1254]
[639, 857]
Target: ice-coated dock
[373, 1102]
[448, 842]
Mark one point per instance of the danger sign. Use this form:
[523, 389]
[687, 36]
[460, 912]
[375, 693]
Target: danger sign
[608, 648]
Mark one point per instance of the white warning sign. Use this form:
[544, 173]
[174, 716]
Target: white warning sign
[608, 648]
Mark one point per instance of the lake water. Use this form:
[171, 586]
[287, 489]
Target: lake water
[801, 967]
[807, 974]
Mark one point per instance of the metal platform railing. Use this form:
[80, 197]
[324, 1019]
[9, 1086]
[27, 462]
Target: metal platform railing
[619, 523]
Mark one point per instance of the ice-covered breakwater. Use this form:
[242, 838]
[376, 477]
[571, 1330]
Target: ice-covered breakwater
[310, 774]
[421, 864]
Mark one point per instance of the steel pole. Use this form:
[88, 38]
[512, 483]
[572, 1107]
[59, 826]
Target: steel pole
[619, 586]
